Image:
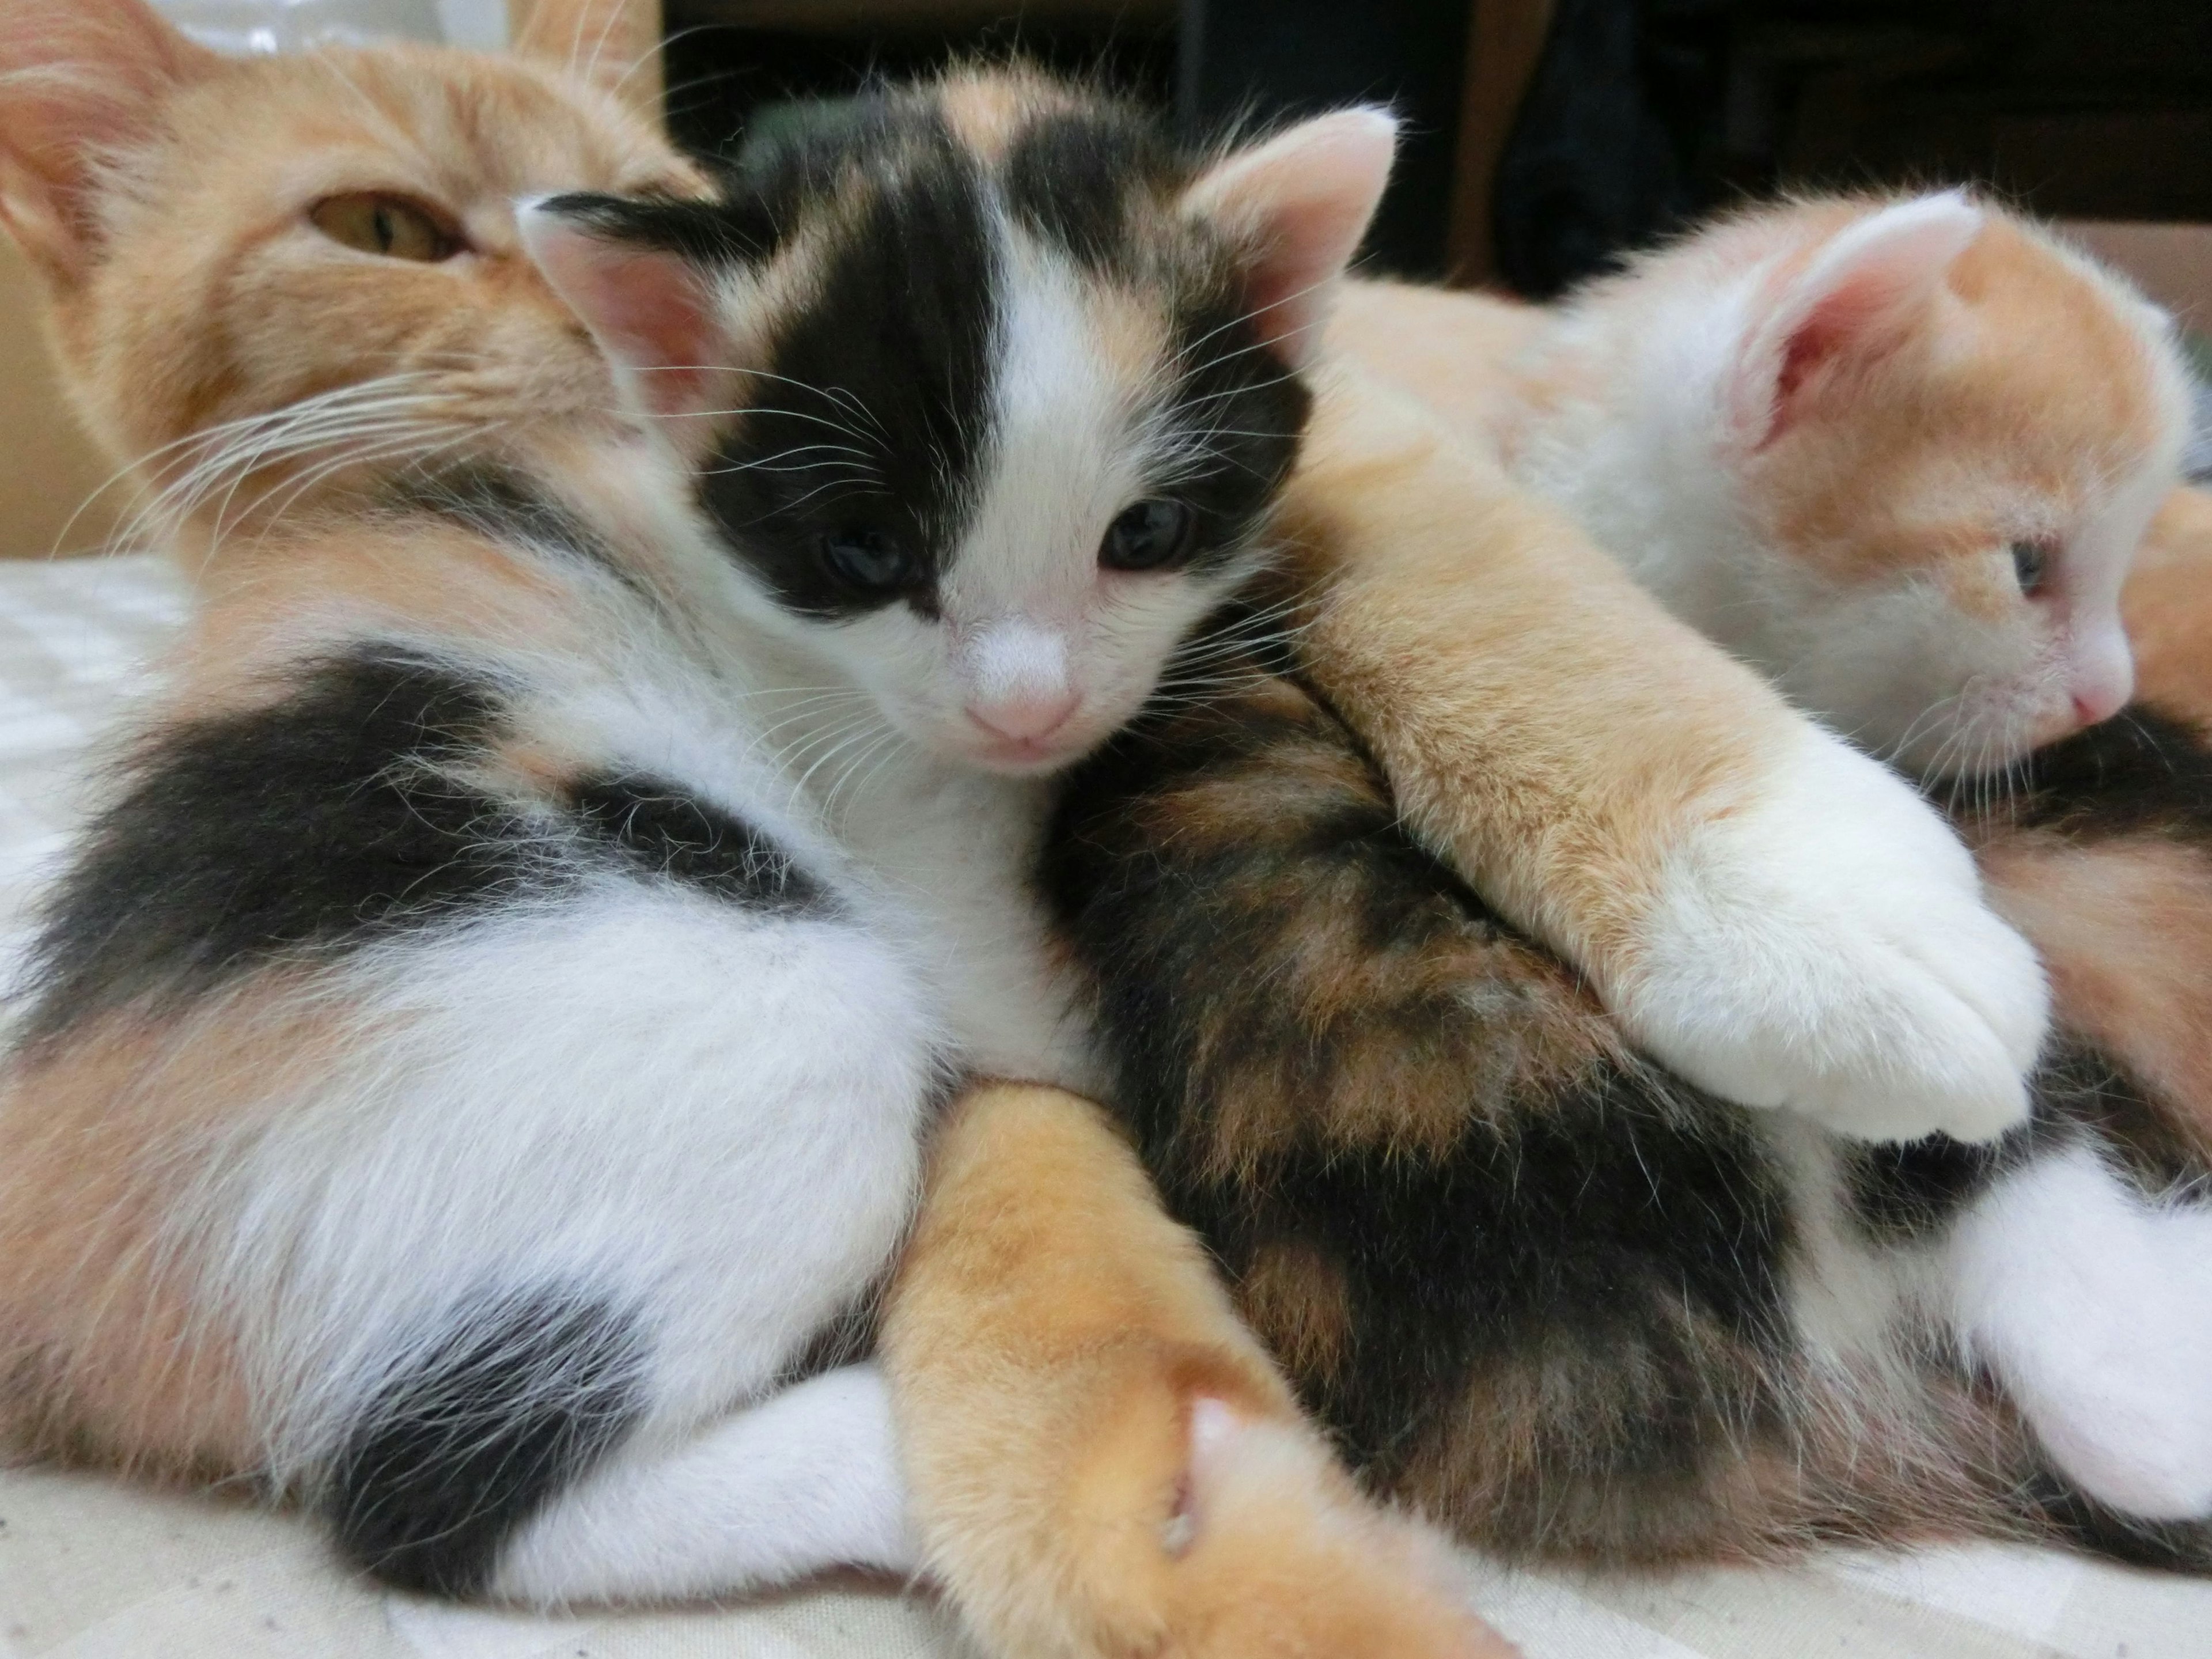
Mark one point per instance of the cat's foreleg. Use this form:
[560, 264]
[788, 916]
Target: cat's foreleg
[807, 1480]
[1773, 915]
[1103, 1463]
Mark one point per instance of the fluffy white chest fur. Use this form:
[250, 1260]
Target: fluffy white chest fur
[955, 852]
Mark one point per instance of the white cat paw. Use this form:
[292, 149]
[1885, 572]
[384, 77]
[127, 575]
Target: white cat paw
[1827, 949]
[2094, 1307]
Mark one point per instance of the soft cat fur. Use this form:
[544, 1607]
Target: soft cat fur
[1625, 853]
[1557, 1295]
[464, 1085]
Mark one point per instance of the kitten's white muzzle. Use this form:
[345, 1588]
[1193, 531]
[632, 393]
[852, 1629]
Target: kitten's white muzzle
[1021, 693]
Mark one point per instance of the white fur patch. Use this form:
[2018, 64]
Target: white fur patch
[704, 1118]
[1826, 948]
[806, 1480]
[2094, 1308]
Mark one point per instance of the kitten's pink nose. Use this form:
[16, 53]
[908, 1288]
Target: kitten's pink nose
[2099, 704]
[1026, 718]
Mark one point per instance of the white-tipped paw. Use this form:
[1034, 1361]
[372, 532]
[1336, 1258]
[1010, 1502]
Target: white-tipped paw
[1827, 949]
[2094, 1306]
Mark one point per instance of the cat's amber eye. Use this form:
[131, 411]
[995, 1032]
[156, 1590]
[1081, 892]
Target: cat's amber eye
[874, 560]
[1150, 536]
[2030, 565]
[393, 226]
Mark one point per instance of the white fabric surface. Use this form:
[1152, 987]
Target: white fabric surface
[92, 1568]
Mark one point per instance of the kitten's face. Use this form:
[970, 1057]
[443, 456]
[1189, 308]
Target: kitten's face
[226, 238]
[1955, 517]
[990, 421]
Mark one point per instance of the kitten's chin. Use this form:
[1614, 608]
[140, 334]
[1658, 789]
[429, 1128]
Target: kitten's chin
[1027, 757]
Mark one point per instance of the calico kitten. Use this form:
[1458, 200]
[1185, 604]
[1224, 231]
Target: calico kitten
[1565, 1298]
[464, 1083]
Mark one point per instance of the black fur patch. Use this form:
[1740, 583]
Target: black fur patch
[2183, 1546]
[875, 412]
[1902, 1191]
[670, 833]
[1241, 404]
[327, 820]
[467, 1443]
[313, 822]
[2139, 770]
[1071, 179]
[710, 234]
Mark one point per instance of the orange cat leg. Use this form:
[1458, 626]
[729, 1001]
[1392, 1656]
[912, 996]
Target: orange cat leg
[1102, 1461]
[1766, 911]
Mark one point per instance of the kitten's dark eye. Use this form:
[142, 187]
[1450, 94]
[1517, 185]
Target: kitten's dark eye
[1147, 537]
[872, 559]
[390, 225]
[2030, 564]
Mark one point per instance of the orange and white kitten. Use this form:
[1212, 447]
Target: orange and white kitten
[1895, 454]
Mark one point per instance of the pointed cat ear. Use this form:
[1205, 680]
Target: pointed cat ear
[79, 80]
[1299, 203]
[651, 307]
[1862, 296]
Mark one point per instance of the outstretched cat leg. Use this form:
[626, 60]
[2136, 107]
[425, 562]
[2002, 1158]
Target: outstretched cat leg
[1776, 917]
[2094, 1307]
[805, 1481]
[1102, 1463]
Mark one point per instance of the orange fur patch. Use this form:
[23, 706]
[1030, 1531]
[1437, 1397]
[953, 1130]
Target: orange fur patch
[2124, 928]
[2167, 603]
[1547, 728]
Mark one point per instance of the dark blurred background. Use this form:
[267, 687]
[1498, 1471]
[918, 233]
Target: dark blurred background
[1548, 136]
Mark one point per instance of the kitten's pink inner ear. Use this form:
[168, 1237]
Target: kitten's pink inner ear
[78, 81]
[1862, 296]
[652, 312]
[1300, 203]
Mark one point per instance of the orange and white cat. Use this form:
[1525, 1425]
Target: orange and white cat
[1813, 431]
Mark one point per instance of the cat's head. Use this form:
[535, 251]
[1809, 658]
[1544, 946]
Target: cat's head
[988, 387]
[225, 238]
[1944, 433]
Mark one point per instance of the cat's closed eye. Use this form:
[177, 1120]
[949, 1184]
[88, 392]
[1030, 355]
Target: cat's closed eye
[1149, 536]
[2030, 565]
[372, 222]
[873, 560]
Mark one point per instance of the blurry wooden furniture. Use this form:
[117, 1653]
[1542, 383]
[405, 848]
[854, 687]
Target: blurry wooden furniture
[1503, 41]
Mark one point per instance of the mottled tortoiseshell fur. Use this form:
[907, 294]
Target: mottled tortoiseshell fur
[1531, 1280]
